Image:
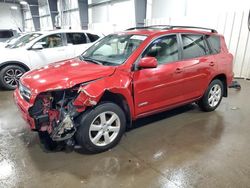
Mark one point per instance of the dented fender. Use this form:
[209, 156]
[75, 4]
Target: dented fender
[90, 94]
[87, 97]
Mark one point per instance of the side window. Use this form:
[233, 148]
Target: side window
[193, 46]
[51, 41]
[214, 43]
[165, 50]
[93, 37]
[76, 38]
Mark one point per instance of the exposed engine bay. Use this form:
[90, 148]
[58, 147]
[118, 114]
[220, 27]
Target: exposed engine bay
[54, 112]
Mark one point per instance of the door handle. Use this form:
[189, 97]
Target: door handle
[212, 63]
[178, 70]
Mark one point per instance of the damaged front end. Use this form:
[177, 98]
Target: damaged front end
[57, 112]
[54, 112]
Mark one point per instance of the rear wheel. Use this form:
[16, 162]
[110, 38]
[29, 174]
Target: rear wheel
[10, 75]
[101, 128]
[212, 97]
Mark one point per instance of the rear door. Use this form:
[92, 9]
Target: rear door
[197, 65]
[157, 88]
[76, 44]
[92, 38]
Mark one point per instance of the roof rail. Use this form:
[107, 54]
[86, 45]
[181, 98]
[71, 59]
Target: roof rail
[191, 27]
[167, 27]
[133, 28]
[149, 27]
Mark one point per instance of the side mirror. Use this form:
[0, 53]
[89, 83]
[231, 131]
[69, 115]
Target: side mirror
[148, 62]
[37, 46]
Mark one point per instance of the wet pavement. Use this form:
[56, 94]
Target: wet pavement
[180, 148]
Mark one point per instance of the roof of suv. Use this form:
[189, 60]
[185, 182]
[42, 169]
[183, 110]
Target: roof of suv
[162, 29]
[66, 31]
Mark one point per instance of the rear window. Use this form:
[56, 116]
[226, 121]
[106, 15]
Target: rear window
[76, 38]
[193, 46]
[93, 37]
[214, 43]
[6, 34]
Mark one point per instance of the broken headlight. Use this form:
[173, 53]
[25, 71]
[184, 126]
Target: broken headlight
[25, 92]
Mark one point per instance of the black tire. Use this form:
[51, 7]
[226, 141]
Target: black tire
[18, 72]
[83, 134]
[204, 101]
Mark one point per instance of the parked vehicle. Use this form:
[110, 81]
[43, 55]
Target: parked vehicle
[6, 34]
[92, 99]
[12, 40]
[38, 49]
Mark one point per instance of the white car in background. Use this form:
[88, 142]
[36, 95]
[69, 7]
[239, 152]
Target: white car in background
[12, 40]
[6, 34]
[37, 49]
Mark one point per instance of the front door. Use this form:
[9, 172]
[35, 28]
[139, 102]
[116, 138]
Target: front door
[53, 50]
[157, 88]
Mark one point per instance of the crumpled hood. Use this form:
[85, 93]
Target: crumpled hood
[63, 75]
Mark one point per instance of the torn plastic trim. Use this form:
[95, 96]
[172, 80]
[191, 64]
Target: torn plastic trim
[85, 99]
[89, 95]
[81, 89]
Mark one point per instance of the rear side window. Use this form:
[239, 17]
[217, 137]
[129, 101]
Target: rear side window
[214, 43]
[6, 34]
[193, 46]
[93, 37]
[76, 38]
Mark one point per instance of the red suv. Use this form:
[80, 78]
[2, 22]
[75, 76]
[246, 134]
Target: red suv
[91, 100]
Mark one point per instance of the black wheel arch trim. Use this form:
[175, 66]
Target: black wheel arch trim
[224, 82]
[119, 100]
[7, 63]
[223, 78]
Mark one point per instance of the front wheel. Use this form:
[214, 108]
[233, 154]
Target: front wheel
[212, 97]
[101, 128]
[10, 75]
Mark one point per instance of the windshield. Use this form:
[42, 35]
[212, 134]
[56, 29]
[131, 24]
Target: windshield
[13, 39]
[113, 49]
[22, 41]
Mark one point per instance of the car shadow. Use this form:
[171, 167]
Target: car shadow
[145, 121]
[160, 116]
[4, 90]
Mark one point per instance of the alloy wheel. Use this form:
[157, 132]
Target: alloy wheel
[104, 128]
[12, 76]
[214, 95]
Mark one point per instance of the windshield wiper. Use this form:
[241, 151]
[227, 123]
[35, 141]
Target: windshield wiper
[90, 60]
[108, 63]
